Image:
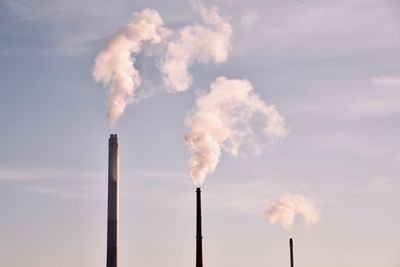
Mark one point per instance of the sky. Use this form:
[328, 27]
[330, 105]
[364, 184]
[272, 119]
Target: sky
[331, 69]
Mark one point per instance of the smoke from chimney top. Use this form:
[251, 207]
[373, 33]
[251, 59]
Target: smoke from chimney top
[221, 120]
[284, 210]
[114, 65]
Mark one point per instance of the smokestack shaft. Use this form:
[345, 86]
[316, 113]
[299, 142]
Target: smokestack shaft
[199, 237]
[291, 253]
[112, 216]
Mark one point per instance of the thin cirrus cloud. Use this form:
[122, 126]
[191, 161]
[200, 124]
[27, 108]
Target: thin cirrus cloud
[30, 174]
[387, 81]
[351, 100]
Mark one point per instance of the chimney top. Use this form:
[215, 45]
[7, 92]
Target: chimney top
[113, 139]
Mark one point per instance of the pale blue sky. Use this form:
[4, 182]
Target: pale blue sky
[330, 67]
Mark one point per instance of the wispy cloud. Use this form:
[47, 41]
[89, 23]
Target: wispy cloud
[53, 182]
[389, 81]
[64, 183]
[72, 26]
[57, 10]
[249, 198]
[349, 100]
[248, 19]
[64, 192]
[350, 143]
[340, 25]
[30, 174]
[356, 199]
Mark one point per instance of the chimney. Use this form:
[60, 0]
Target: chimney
[112, 216]
[199, 237]
[291, 253]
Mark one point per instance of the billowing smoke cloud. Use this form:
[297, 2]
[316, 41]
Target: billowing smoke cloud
[285, 209]
[203, 43]
[114, 65]
[222, 119]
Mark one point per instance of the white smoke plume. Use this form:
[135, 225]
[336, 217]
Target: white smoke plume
[222, 119]
[114, 65]
[203, 43]
[284, 210]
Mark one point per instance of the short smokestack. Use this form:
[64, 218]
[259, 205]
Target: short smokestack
[291, 253]
[199, 237]
[112, 216]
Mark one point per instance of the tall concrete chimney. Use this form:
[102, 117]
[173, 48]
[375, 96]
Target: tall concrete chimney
[112, 216]
[199, 237]
[291, 253]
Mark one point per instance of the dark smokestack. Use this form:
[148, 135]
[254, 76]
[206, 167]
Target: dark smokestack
[291, 253]
[112, 217]
[199, 237]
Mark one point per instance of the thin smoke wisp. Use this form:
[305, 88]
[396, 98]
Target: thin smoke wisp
[221, 120]
[284, 210]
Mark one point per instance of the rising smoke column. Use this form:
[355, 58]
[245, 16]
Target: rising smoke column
[222, 119]
[284, 210]
[206, 42]
[114, 65]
